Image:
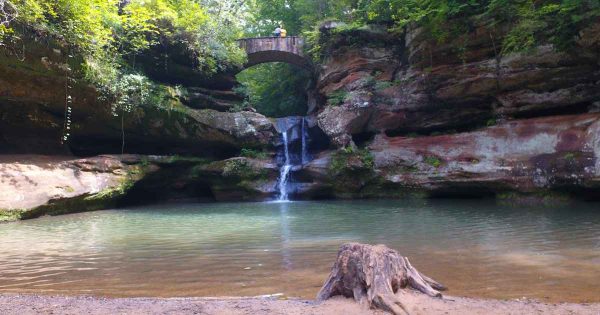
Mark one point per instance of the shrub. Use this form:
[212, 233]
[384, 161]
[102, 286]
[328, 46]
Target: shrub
[382, 85]
[433, 161]
[104, 32]
[253, 153]
[337, 98]
[340, 159]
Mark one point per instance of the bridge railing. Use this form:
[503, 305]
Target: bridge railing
[294, 40]
[265, 37]
[264, 49]
[291, 44]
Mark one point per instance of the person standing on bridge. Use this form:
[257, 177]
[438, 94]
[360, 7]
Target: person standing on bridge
[283, 32]
[277, 32]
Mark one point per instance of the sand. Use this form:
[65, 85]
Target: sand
[23, 304]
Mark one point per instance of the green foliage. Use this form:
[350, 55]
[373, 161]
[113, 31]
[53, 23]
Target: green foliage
[340, 159]
[367, 158]
[275, 89]
[130, 90]
[8, 12]
[382, 85]
[254, 154]
[352, 34]
[337, 98]
[107, 32]
[243, 169]
[570, 156]
[298, 16]
[7, 215]
[314, 47]
[531, 21]
[433, 161]
[534, 21]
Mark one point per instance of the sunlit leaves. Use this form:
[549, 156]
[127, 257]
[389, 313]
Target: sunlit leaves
[8, 12]
[275, 89]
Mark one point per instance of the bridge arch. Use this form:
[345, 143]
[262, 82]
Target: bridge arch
[275, 49]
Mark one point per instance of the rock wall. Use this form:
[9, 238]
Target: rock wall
[434, 120]
[33, 185]
[193, 124]
[402, 117]
[36, 81]
[417, 86]
[542, 156]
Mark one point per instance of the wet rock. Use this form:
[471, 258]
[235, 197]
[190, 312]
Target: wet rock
[240, 178]
[533, 156]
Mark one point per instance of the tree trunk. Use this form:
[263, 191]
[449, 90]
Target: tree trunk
[373, 274]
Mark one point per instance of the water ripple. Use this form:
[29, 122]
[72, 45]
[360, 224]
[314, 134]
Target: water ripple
[477, 248]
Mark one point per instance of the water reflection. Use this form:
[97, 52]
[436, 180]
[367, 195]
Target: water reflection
[476, 248]
[285, 235]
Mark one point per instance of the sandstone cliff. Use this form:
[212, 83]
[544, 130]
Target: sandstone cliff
[38, 79]
[419, 86]
[393, 116]
[421, 118]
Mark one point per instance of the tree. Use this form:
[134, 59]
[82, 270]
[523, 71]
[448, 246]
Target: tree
[276, 89]
[8, 12]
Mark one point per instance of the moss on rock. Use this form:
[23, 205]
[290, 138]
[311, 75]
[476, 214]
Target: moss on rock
[103, 199]
[545, 198]
[7, 215]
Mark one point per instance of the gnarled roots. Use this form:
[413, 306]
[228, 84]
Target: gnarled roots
[373, 274]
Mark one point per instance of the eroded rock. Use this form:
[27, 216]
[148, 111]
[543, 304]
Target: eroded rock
[32, 186]
[240, 178]
[34, 89]
[422, 87]
[533, 156]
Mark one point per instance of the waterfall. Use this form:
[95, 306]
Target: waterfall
[305, 157]
[284, 172]
[293, 153]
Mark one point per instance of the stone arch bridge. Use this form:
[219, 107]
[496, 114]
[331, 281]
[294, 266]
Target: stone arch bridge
[275, 49]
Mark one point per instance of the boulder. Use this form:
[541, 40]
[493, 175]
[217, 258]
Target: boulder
[240, 179]
[32, 186]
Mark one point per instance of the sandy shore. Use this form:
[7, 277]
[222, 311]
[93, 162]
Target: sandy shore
[22, 304]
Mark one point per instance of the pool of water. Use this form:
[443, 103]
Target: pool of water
[476, 248]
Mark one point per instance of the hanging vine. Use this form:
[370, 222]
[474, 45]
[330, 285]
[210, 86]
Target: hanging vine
[66, 133]
[130, 91]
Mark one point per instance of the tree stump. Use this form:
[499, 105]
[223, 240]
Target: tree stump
[374, 274]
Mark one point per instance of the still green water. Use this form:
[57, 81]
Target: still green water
[476, 248]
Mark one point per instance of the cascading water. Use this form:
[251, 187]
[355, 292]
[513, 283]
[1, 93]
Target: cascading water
[294, 137]
[284, 172]
[305, 157]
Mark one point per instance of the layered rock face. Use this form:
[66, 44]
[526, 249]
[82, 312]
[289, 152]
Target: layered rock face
[401, 116]
[540, 156]
[36, 185]
[240, 179]
[33, 185]
[435, 120]
[37, 84]
[417, 86]
[42, 91]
